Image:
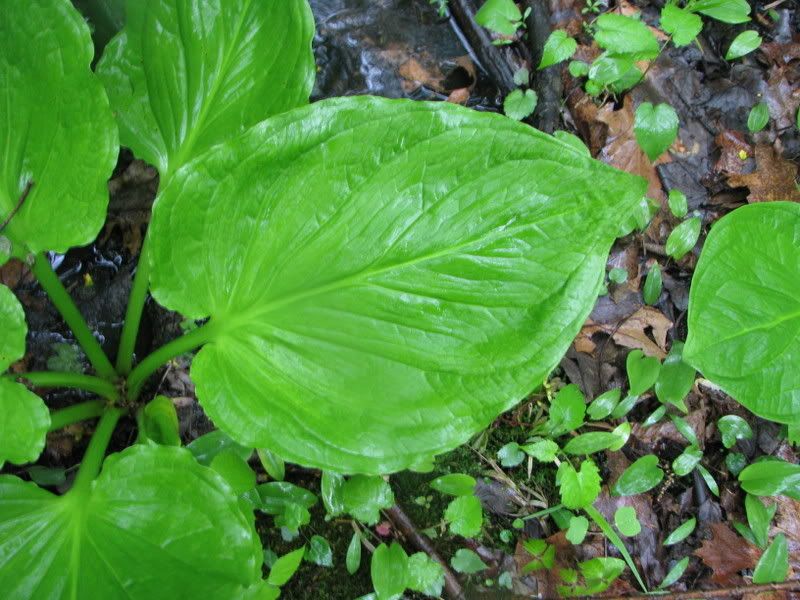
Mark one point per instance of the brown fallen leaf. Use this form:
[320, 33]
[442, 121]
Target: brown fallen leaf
[459, 96]
[727, 553]
[774, 177]
[782, 97]
[734, 152]
[646, 329]
[664, 430]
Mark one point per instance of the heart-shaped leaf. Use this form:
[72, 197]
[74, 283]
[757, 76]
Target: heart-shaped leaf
[155, 524]
[25, 419]
[59, 142]
[744, 309]
[184, 75]
[383, 277]
[655, 128]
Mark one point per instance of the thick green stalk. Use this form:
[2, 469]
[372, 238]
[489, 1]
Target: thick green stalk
[133, 314]
[163, 355]
[95, 453]
[63, 302]
[78, 381]
[74, 414]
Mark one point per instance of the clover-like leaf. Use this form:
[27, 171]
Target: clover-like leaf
[681, 24]
[154, 524]
[744, 309]
[184, 75]
[59, 142]
[370, 266]
[25, 420]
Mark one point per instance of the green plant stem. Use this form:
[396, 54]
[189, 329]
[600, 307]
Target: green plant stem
[78, 381]
[544, 513]
[63, 302]
[612, 536]
[95, 453]
[73, 414]
[133, 314]
[163, 355]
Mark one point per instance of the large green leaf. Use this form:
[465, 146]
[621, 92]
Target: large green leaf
[56, 129]
[184, 75]
[744, 309]
[25, 418]
[384, 277]
[155, 524]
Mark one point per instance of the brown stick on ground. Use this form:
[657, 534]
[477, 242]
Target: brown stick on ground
[495, 60]
[734, 592]
[401, 522]
[547, 82]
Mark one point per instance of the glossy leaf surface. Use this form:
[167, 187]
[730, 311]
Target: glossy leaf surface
[558, 47]
[57, 131]
[25, 418]
[682, 25]
[184, 75]
[643, 475]
[744, 309]
[771, 478]
[155, 524]
[384, 277]
[655, 128]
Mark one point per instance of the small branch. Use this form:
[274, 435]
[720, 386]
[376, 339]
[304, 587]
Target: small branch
[20, 202]
[547, 82]
[494, 60]
[787, 586]
[420, 541]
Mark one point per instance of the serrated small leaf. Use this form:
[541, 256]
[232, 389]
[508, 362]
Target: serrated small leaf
[578, 68]
[642, 372]
[365, 496]
[683, 238]
[627, 522]
[675, 573]
[520, 104]
[500, 16]
[566, 410]
[774, 563]
[681, 24]
[541, 450]
[676, 378]
[641, 476]
[557, 48]
[467, 562]
[624, 35]
[578, 526]
[602, 406]
[578, 488]
[465, 516]
[758, 117]
[742, 44]
[678, 204]
[681, 532]
[655, 127]
[454, 484]
[425, 575]
[653, 283]
[353, 558]
[389, 571]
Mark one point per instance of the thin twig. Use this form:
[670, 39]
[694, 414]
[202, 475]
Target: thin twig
[403, 524]
[20, 202]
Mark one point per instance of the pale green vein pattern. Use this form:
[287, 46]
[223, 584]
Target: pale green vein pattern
[744, 309]
[187, 74]
[155, 525]
[24, 419]
[56, 129]
[384, 277]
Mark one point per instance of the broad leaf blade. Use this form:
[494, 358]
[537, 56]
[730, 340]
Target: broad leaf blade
[57, 131]
[184, 75]
[384, 277]
[744, 309]
[155, 525]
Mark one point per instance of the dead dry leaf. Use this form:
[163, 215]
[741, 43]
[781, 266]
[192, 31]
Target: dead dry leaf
[774, 178]
[727, 553]
[734, 152]
[646, 329]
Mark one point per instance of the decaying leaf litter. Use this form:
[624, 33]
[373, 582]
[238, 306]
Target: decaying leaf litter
[401, 48]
